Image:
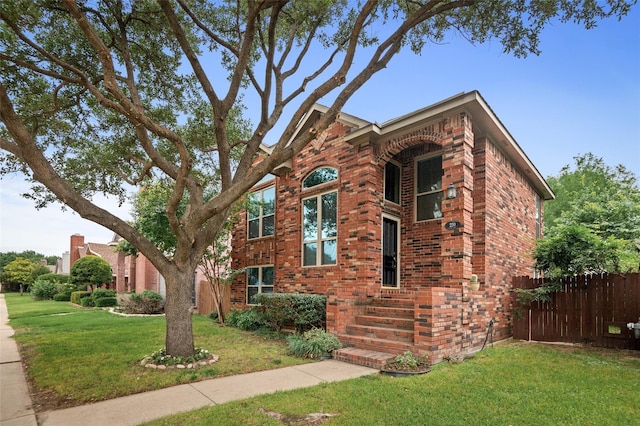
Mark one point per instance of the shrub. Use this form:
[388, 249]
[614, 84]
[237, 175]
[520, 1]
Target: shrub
[407, 362]
[77, 296]
[303, 311]
[147, 302]
[101, 302]
[43, 289]
[87, 302]
[62, 297]
[90, 270]
[248, 319]
[313, 343]
[58, 278]
[101, 292]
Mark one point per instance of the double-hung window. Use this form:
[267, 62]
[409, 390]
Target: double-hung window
[261, 213]
[429, 188]
[259, 280]
[320, 221]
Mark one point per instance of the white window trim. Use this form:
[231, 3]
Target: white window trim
[261, 216]
[319, 239]
[415, 185]
[259, 286]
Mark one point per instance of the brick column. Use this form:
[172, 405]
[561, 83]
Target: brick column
[457, 164]
[456, 246]
[437, 329]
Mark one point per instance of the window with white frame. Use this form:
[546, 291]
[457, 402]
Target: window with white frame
[320, 220]
[259, 280]
[429, 188]
[261, 213]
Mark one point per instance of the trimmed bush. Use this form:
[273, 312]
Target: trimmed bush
[62, 297]
[101, 292]
[87, 302]
[302, 311]
[101, 302]
[147, 302]
[43, 289]
[76, 296]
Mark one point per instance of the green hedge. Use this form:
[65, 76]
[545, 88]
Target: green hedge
[87, 302]
[101, 302]
[302, 311]
[77, 296]
[62, 297]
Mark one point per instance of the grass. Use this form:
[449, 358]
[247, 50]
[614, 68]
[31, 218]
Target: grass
[80, 355]
[516, 383]
[77, 355]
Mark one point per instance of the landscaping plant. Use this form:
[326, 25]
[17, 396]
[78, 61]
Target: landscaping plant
[313, 343]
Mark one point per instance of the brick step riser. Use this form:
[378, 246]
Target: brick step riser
[383, 311]
[371, 362]
[391, 334]
[393, 303]
[390, 346]
[378, 321]
[397, 294]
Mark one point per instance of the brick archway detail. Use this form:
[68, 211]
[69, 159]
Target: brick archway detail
[395, 146]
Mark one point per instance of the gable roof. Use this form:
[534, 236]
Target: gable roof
[485, 124]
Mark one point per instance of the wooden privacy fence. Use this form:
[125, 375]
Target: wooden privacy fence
[591, 309]
[205, 299]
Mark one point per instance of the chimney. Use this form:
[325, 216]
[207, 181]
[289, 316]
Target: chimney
[77, 242]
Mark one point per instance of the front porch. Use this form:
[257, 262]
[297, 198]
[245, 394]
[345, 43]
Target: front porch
[443, 322]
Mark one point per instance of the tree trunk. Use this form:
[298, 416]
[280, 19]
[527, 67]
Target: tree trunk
[178, 310]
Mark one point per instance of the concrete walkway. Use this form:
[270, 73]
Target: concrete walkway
[16, 405]
[15, 401]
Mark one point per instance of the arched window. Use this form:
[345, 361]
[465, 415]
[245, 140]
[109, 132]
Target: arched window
[320, 220]
[320, 176]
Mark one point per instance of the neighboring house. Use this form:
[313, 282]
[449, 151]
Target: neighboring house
[391, 220]
[132, 274]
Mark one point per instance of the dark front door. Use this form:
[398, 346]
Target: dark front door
[389, 252]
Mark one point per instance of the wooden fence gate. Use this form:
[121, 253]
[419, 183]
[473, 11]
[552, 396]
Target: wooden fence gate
[591, 309]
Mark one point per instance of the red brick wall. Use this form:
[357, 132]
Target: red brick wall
[504, 234]
[495, 204]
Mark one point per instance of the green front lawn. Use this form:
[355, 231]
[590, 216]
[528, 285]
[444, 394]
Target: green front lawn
[78, 355]
[510, 384]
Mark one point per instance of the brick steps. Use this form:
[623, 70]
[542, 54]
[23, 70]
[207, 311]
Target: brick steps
[384, 330]
[389, 312]
[368, 358]
[382, 333]
[374, 344]
[392, 303]
[385, 321]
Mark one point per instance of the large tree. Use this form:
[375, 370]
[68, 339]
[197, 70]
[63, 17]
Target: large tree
[593, 225]
[97, 95]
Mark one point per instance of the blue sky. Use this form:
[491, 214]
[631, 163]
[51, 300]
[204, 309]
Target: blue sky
[582, 94]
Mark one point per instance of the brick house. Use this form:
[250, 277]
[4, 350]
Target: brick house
[390, 221]
[135, 274]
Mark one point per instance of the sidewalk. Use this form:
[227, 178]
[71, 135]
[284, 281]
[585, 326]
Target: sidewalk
[15, 402]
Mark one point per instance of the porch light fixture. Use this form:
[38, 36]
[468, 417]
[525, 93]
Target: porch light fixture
[451, 192]
[473, 283]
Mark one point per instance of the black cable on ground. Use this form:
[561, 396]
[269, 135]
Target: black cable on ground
[489, 331]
